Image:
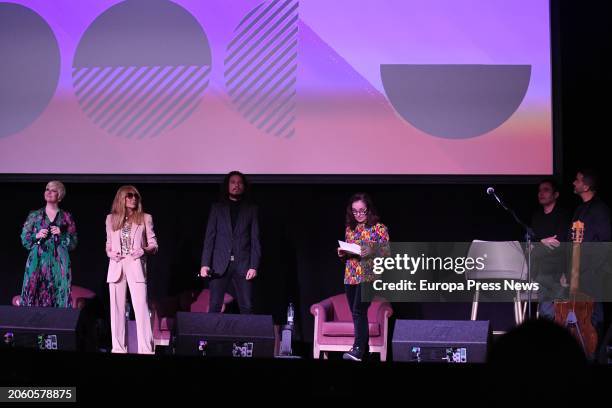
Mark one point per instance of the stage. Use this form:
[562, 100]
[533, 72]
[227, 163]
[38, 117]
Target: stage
[100, 377]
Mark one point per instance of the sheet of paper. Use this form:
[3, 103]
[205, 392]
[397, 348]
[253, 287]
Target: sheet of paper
[352, 248]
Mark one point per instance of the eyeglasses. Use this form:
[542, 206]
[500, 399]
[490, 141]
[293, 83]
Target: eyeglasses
[360, 212]
[132, 195]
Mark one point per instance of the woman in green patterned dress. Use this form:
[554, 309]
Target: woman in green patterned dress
[48, 233]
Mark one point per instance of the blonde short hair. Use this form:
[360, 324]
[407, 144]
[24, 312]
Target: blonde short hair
[61, 189]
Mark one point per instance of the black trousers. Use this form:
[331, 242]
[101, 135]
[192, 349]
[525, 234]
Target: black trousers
[359, 310]
[220, 283]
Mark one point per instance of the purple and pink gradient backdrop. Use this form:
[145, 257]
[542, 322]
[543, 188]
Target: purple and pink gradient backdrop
[344, 123]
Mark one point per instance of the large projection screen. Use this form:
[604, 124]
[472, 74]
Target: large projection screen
[279, 87]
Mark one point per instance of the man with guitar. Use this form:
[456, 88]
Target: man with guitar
[595, 215]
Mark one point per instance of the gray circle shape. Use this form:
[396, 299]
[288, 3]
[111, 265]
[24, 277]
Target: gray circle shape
[141, 68]
[29, 68]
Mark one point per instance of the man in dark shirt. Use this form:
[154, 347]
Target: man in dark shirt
[593, 212]
[594, 265]
[550, 225]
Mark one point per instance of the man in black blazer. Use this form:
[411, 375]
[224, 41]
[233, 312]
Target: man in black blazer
[232, 250]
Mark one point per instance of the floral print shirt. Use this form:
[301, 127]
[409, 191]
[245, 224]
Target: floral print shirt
[357, 269]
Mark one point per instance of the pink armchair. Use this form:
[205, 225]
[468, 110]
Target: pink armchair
[202, 302]
[333, 328]
[164, 311]
[78, 294]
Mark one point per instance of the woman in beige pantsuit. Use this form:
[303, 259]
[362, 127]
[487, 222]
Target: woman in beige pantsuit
[129, 238]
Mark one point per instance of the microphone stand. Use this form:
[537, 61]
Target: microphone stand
[529, 235]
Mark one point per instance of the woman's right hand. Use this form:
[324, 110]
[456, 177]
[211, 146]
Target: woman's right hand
[341, 253]
[116, 257]
[42, 233]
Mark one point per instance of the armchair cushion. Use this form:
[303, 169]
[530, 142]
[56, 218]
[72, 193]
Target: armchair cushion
[202, 302]
[347, 329]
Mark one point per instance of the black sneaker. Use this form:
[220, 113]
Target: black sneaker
[355, 354]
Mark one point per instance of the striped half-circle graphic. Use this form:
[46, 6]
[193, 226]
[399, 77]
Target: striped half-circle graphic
[260, 68]
[127, 83]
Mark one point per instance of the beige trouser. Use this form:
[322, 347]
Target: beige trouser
[138, 292]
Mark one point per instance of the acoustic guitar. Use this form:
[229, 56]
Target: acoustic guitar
[576, 312]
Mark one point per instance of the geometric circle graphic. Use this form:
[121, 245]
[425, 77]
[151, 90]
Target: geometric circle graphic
[29, 67]
[260, 69]
[141, 68]
[455, 101]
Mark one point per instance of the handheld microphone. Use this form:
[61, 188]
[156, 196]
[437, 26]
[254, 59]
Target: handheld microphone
[40, 240]
[48, 233]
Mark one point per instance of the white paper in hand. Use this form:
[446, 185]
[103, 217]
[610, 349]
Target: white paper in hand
[351, 248]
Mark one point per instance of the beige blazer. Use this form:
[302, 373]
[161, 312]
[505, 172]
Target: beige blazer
[142, 236]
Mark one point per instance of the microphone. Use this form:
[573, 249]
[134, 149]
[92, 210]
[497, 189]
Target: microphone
[491, 192]
[40, 240]
[48, 234]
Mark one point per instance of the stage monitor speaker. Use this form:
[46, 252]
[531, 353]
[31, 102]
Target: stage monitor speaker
[443, 341]
[42, 328]
[224, 335]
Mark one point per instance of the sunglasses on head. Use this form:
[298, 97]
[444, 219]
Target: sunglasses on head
[131, 195]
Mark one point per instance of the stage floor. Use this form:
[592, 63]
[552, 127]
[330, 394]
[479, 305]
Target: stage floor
[105, 377]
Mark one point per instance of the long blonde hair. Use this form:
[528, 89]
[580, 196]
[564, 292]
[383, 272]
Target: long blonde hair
[119, 212]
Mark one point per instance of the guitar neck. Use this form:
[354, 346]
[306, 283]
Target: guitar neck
[577, 237]
[575, 271]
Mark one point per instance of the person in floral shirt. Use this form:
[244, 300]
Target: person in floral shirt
[363, 227]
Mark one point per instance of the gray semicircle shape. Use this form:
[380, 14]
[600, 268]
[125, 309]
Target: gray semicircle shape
[143, 32]
[29, 67]
[455, 101]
